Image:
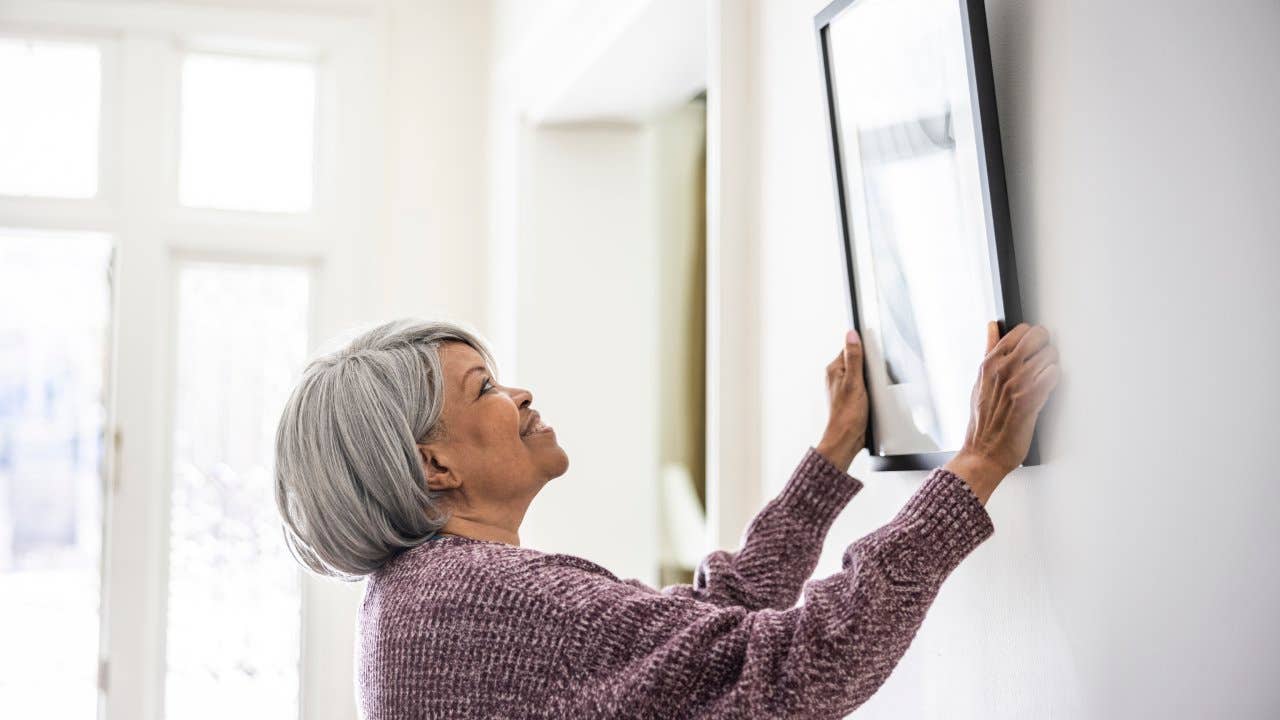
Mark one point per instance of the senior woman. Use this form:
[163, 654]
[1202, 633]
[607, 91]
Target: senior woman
[403, 460]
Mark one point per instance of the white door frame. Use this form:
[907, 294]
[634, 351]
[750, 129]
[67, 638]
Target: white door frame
[566, 47]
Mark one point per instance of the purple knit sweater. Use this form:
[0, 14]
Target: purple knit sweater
[463, 628]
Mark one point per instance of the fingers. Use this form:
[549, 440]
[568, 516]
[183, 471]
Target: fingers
[993, 335]
[1011, 339]
[1040, 372]
[1031, 342]
[1022, 341]
[853, 354]
[836, 365]
[850, 356]
[1044, 357]
[1044, 383]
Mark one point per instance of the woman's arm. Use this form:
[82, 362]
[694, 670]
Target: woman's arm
[781, 546]
[636, 654]
[632, 653]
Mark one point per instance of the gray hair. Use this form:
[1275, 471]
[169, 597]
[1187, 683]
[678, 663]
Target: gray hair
[348, 479]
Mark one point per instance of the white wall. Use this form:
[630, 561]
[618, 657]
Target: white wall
[432, 251]
[588, 314]
[1132, 574]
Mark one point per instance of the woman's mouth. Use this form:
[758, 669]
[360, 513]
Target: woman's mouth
[538, 428]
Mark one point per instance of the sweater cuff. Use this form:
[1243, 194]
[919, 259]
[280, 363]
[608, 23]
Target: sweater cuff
[948, 516]
[818, 490]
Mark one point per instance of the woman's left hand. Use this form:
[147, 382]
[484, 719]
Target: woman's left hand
[846, 429]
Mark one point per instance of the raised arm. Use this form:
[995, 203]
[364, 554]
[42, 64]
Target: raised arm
[631, 653]
[628, 653]
[780, 547]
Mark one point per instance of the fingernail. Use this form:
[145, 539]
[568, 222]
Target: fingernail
[851, 337]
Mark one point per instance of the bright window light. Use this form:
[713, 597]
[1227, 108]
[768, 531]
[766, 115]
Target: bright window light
[248, 133]
[234, 601]
[49, 106]
[53, 350]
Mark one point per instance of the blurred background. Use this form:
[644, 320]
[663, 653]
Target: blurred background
[632, 200]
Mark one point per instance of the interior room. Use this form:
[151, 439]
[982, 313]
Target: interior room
[633, 203]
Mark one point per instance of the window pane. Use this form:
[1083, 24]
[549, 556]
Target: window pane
[49, 118]
[53, 354]
[234, 609]
[247, 133]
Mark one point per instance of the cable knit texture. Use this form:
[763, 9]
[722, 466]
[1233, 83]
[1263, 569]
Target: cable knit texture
[464, 628]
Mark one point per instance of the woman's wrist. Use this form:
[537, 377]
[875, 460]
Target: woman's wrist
[981, 474]
[838, 451]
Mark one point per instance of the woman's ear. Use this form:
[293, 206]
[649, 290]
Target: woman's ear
[438, 476]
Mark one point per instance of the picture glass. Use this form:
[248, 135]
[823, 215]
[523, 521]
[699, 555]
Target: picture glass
[918, 215]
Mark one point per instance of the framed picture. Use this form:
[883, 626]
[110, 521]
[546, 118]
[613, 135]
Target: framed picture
[923, 210]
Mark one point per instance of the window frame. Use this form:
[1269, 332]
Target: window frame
[71, 213]
[137, 204]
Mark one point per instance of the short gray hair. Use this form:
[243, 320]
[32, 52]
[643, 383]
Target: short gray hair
[348, 479]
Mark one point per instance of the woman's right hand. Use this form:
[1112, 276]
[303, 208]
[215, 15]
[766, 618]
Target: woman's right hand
[1015, 379]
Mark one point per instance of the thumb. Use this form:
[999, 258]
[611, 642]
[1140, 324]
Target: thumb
[993, 335]
[853, 353]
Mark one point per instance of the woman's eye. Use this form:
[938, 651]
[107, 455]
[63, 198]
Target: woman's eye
[484, 386]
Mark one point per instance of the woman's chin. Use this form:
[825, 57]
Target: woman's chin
[559, 465]
[550, 456]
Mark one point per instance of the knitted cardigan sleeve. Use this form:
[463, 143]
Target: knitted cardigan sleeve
[780, 547]
[628, 652]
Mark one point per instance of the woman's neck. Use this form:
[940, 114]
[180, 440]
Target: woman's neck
[481, 530]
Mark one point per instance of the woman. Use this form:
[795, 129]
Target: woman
[400, 458]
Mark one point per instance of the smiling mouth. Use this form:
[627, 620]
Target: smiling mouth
[537, 428]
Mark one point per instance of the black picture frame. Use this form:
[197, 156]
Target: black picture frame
[1005, 290]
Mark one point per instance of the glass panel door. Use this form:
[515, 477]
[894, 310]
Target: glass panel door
[234, 624]
[54, 347]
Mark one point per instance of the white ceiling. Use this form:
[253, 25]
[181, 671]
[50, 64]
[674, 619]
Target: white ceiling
[650, 60]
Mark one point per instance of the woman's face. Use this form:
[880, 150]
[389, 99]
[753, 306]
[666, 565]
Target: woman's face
[484, 459]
